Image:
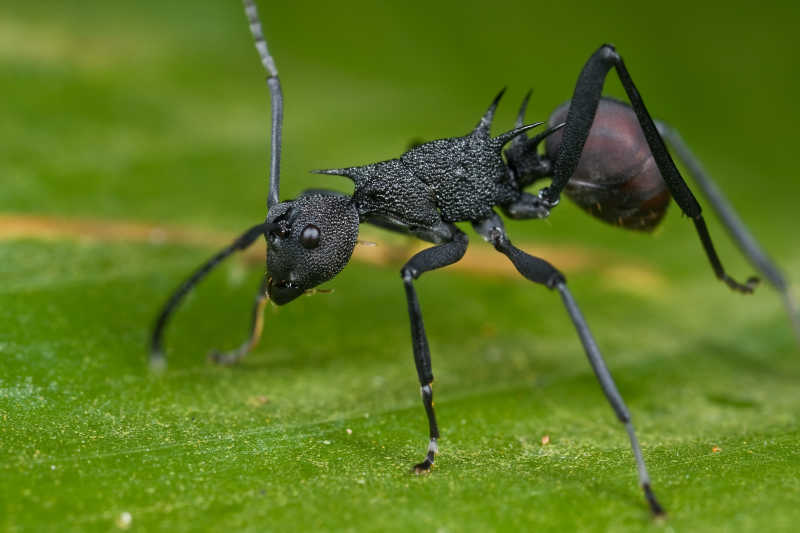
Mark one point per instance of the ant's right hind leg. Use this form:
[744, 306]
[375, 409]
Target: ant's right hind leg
[232, 357]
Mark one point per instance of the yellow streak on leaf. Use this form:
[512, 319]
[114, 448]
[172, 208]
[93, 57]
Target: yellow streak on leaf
[616, 272]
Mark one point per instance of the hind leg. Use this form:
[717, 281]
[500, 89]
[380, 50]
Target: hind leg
[580, 117]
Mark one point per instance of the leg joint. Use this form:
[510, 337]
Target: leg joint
[609, 53]
[409, 274]
[556, 280]
[427, 392]
[433, 447]
[497, 237]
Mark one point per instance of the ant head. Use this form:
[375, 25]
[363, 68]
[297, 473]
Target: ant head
[312, 240]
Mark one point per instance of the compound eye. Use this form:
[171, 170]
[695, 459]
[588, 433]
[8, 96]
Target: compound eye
[309, 237]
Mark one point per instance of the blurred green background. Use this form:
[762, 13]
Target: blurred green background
[156, 113]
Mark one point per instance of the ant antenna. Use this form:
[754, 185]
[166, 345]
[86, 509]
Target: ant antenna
[276, 98]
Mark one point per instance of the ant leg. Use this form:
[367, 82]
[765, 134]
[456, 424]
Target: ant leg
[540, 271]
[579, 120]
[428, 259]
[736, 228]
[256, 326]
[157, 360]
[526, 206]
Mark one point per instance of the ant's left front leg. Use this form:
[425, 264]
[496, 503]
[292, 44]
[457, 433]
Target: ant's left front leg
[428, 259]
[540, 271]
[232, 357]
[242, 242]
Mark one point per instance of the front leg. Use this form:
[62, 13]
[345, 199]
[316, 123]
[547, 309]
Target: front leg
[232, 357]
[429, 259]
[242, 242]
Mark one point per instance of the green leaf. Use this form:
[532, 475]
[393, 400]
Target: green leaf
[133, 145]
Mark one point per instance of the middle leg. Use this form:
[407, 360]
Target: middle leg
[540, 271]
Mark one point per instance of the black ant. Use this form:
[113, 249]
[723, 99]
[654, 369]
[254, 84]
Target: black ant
[607, 156]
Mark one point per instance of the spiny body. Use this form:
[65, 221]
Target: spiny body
[611, 158]
[436, 183]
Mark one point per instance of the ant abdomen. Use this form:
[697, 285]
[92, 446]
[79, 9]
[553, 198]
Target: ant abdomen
[616, 179]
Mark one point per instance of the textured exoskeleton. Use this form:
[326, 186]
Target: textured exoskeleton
[607, 156]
